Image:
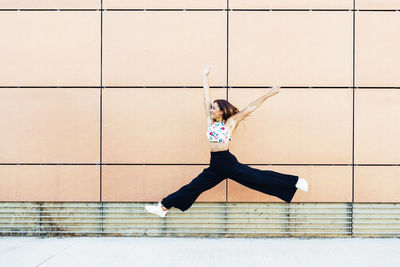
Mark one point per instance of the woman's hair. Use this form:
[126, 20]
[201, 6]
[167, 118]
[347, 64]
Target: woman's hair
[227, 108]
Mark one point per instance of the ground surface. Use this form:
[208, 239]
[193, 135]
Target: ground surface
[171, 251]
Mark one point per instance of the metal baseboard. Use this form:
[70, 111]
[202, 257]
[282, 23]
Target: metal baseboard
[216, 219]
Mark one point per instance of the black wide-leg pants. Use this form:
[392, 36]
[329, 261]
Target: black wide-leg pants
[223, 164]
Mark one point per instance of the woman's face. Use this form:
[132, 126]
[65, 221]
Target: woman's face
[215, 112]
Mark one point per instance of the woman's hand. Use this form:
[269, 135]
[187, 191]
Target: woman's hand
[274, 90]
[207, 70]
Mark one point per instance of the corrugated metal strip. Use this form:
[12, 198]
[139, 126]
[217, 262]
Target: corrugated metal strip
[202, 219]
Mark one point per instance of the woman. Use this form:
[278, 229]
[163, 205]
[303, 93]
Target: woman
[223, 118]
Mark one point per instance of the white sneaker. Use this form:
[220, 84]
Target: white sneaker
[156, 209]
[302, 184]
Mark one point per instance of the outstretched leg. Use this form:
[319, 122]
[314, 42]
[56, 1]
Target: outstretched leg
[270, 182]
[187, 194]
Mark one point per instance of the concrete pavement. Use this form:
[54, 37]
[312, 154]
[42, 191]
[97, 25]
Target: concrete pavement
[173, 251]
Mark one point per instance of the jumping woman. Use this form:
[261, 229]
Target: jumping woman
[222, 119]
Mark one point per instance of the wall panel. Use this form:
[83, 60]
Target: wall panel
[377, 49]
[290, 48]
[49, 183]
[152, 183]
[156, 125]
[29, 4]
[325, 184]
[163, 48]
[295, 126]
[377, 184]
[376, 126]
[377, 4]
[50, 125]
[50, 48]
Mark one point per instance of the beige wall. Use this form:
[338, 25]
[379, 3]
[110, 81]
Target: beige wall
[122, 89]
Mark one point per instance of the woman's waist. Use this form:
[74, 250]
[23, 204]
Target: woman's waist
[220, 152]
[219, 146]
[224, 156]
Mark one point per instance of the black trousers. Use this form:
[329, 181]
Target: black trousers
[223, 164]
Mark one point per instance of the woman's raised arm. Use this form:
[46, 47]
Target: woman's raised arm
[253, 105]
[207, 101]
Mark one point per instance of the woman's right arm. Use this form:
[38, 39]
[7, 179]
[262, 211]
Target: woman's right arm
[207, 101]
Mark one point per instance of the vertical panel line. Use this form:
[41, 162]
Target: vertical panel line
[101, 113]
[227, 76]
[353, 91]
[101, 93]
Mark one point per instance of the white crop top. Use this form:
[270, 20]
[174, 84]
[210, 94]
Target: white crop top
[217, 132]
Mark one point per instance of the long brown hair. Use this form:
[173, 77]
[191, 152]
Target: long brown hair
[227, 108]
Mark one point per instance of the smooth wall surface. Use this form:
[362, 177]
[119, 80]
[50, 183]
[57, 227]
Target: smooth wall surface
[103, 100]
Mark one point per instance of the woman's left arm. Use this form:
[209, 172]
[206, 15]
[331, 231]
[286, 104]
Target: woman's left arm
[253, 105]
[256, 103]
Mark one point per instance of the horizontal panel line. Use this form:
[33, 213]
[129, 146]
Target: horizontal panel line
[197, 87]
[203, 9]
[378, 10]
[48, 9]
[288, 9]
[204, 164]
[171, 9]
[51, 86]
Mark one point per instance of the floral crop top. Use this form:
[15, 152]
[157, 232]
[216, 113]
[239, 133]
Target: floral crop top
[217, 132]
